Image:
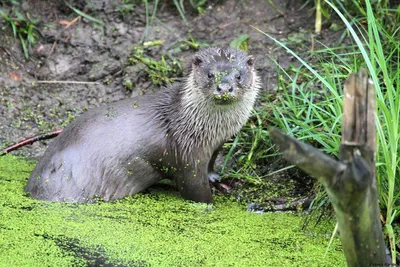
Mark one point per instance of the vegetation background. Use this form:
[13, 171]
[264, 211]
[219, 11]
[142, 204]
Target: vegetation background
[59, 58]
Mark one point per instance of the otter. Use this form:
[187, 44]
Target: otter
[125, 147]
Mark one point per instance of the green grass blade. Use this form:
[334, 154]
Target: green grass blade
[26, 53]
[298, 58]
[80, 13]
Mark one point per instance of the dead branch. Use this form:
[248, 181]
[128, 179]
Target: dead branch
[350, 181]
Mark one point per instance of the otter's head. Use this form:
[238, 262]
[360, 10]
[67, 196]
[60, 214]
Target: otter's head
[224, 76]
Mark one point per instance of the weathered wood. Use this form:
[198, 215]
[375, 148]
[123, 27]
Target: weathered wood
[306, 157]
[357, 209]
[350, 181]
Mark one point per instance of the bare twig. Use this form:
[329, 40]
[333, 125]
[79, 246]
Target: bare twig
[68, 82]
[306, 157]
[29, 141]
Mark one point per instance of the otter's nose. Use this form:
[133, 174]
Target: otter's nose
[224, 88]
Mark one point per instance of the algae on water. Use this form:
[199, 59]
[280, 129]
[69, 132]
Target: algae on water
[157, 228]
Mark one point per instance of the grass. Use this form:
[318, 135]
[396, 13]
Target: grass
[310, 96]
[23, 27]
[382, 59]
[26, 29]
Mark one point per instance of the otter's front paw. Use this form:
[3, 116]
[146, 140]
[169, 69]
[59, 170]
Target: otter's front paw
[213, 177]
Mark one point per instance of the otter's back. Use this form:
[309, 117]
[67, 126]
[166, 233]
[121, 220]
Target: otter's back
[92, 155]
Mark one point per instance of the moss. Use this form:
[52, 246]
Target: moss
[153, 229]
[162, 72]
[128, 84]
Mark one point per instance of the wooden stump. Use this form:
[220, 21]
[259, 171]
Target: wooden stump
[350, 181]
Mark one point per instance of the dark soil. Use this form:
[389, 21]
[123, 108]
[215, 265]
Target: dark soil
[90, 52]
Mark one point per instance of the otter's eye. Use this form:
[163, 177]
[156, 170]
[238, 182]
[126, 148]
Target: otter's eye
[210, 75]
[238, 77]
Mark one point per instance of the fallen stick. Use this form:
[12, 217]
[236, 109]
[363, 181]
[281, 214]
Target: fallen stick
[68, 82]
[29, 141]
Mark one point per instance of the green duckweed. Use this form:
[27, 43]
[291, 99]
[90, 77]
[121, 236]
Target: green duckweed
[156, 228]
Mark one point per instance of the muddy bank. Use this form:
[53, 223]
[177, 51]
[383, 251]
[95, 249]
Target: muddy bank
[98, 53]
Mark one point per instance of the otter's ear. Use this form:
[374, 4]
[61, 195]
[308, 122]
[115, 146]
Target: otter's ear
[250, 61]
[197, 61]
